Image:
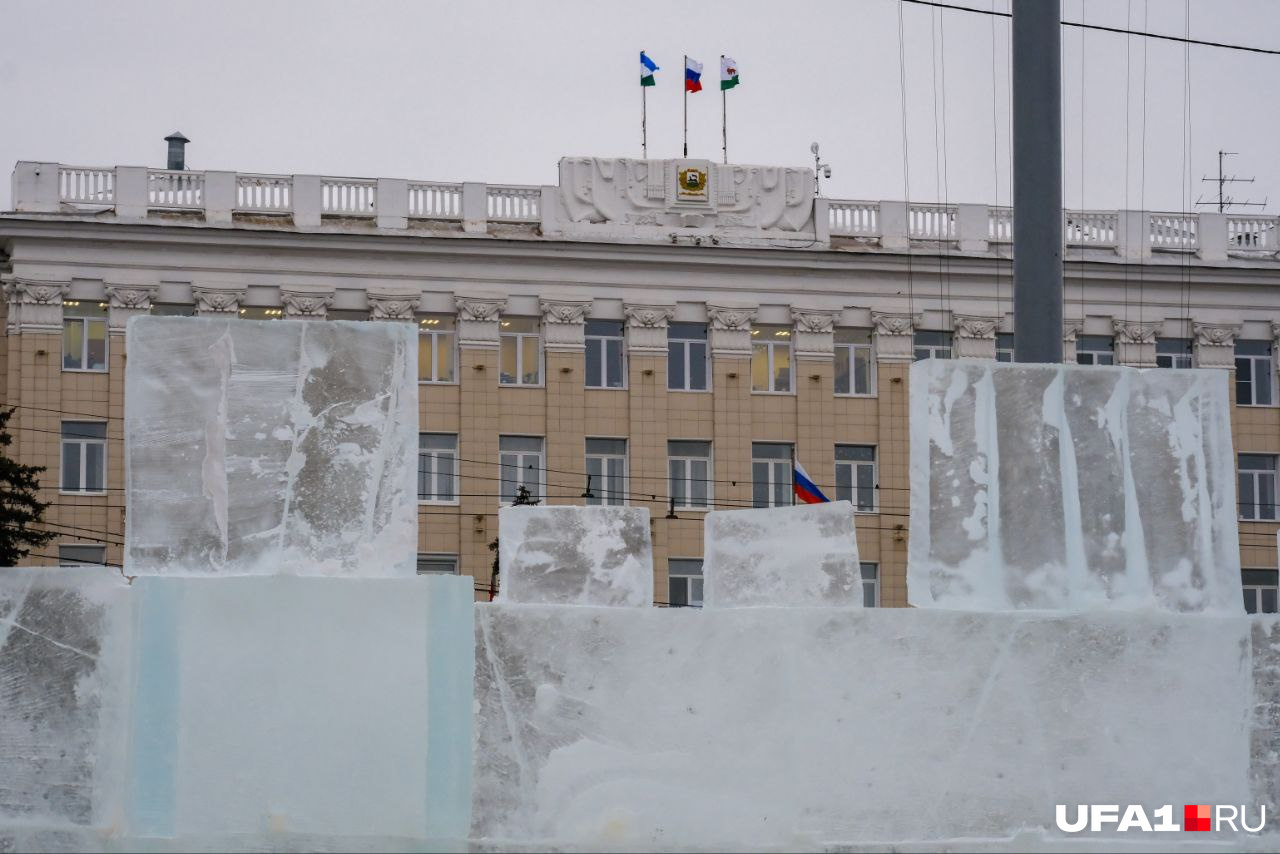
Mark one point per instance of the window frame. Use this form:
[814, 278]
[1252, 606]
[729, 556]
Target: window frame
[774, 486]
[1256, 493]
[688, 575]
[687, 345]
[1175, 357]
[943, 341]
[518, 338]
[83, 443]
[83, 321]
[874, 580]
[1254, 589]
[438, 557]
[854, 466]
[1094, 355]
[769, 348]
[70, 561]
[687, 477]
[521, 468]
[848, 360]
[435, 469]
[1004, 337]
[432, 337]
[1267, 359]
[604, 497]
[601, 342]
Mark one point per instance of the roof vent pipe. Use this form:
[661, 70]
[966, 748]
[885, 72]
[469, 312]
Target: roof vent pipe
[177, 150]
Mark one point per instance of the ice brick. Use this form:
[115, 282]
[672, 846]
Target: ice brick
[806, 555]
[1071, 487]
[259, 447]
[576, 556]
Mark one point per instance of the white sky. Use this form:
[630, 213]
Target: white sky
[499, 91]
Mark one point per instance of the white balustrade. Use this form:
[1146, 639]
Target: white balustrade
[1000, 225]
[1174, 231]
[175, 189]
[349, 196]
[1251, 234]
[854, 219]
[507, 203]
[435, 201]
[1091, 228]
[86, 186]
[268, 194]
[932, 222]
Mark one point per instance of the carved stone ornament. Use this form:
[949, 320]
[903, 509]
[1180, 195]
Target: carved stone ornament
[212, 300]
[649, 316]
[730, 319]
[477, 309]
[1216, 334]
[131, 296]
[814, 321]
[392, 305]
[1134, 333]
[564, 311]
[29, 292]
[973, 326]
[893, 324]
[305, 303]
[1071, 330]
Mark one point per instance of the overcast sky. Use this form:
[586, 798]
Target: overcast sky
[499, 91]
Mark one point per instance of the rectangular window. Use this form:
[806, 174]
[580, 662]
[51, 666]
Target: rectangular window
[1261, 588]
[520, 459]
[1257, 486]
[346, 314]
[607, 471]
[605, 361]
[173, 309]
[1004, 347]
[870, 585]
[437, 350]
[771, 358]
[856, 476]
[81, 554]
[1095, 350]
[855, 362]
[432, 564]
[685, 584]
[257, 312]
[84, 456]
[84, 335]
[520, 351]
[932, 345]
[771, 474]
[1174, 353]
[689, 474]
[687, 357]
[438, 468]
[1255, 377]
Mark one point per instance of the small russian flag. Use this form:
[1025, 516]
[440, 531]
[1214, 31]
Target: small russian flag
[806, 490]
[692, 75]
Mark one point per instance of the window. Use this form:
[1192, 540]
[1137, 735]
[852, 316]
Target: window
[84, 456]
[346, 314]
[1255, 379]
[1257, 484]
[689, 474]
[607, 471]
[81, 554]
[855, 365]
[870, 585]
[687, 357]
[84, 335]
[521, 465]
[1174, 353]
[261, 313]
[173, 309]
[856, 476]
[438, 468]
[1095, 350]
[520, 351]
[605, 365]
[770, 474]
[685, 584]
[933, 345]
[1004, 347]
[1260, 591]
[771, 358]
[429, 564]
[437, 350]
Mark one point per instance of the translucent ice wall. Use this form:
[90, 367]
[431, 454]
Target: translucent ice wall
[1071, 487]
[268, 447]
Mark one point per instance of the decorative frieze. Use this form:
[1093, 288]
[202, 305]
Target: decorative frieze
[647, 327]
[1135, 343]
[478, 320]
[306, 303]
[35, 305]
[126, 301]
[218, 301]
[894, 336]
[731, 329]
[814, 330]
[563, 324]
[1215, 344]
[975, 336]
[393, 304]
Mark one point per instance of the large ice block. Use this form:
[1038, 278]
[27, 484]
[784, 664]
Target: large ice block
[264, 447]
[1071, 487]
[806, 555]
[576, 556]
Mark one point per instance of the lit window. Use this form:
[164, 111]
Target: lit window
[438, 468]
[84, 335]
[605, 363]
[687, 357]
[81, 554]
[1095, 350]
[84, 456]
[437, 349]
[1255, 376]
[520, 459]
[432, 564]
[685, 582]
[1174, 353]
[932, 345]
[1260, 591]
[607, 471]
[771, 358]
[870, 585]
[1004, 347]
[856, 476]
[520, 352]
[255, 312]
[1257, 486]
[771, 474]
[689, 470]
[855, 363]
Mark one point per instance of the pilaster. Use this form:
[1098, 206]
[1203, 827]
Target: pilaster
[306, 302]
[1215, 344]
[1135, 343]
[127, 301]
[975, 336]
[214, 301]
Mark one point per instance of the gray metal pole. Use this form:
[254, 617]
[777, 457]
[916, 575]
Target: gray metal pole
[1037, 181]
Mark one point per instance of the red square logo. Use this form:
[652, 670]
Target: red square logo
[1196, 816]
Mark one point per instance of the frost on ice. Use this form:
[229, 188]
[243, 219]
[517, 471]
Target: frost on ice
[268, 447]
[1061, 486]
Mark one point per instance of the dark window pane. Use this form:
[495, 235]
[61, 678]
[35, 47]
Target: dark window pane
[594, 362]
[1269, 601]
[613, 364]
[675, 365]
[698, 366]
[759, 484]
[678, 592]
[71, 466]
[1260, 577]
[843, 375]
[1250, 601]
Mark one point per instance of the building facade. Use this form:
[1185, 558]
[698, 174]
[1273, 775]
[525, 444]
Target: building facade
[668, 334]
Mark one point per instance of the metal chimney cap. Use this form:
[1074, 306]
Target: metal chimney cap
[176, 136]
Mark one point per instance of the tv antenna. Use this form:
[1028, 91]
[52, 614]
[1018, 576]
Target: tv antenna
[1224, 201]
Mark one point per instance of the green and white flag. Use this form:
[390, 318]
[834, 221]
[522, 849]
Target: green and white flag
[728, 72]
[647, 67]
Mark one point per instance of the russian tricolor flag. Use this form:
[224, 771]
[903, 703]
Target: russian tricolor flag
[806, 490]
[692, 75]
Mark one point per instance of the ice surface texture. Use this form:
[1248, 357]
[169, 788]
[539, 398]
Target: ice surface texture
[782, 556]
[576, 556]
[1071, 487]
[264, 447]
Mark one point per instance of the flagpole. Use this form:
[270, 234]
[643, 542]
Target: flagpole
[644, 121]
[685, 82]
[724, 114]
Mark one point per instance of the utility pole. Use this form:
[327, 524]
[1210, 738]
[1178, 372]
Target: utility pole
[1037, 181]
[1224, 201]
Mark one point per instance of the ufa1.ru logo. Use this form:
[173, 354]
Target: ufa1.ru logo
[1097, 817]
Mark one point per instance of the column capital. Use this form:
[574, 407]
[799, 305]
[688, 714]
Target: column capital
[215, 301]
[1129, 332]
[1215, 344]
[813, 332]
[126, 301]
[564, 324]
[478, 320]
[647, 327]
[975, 336]
[894, 335]
[393, 303]
[1071, 330]
[34, 304]
[304, 302]
[731, 329]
